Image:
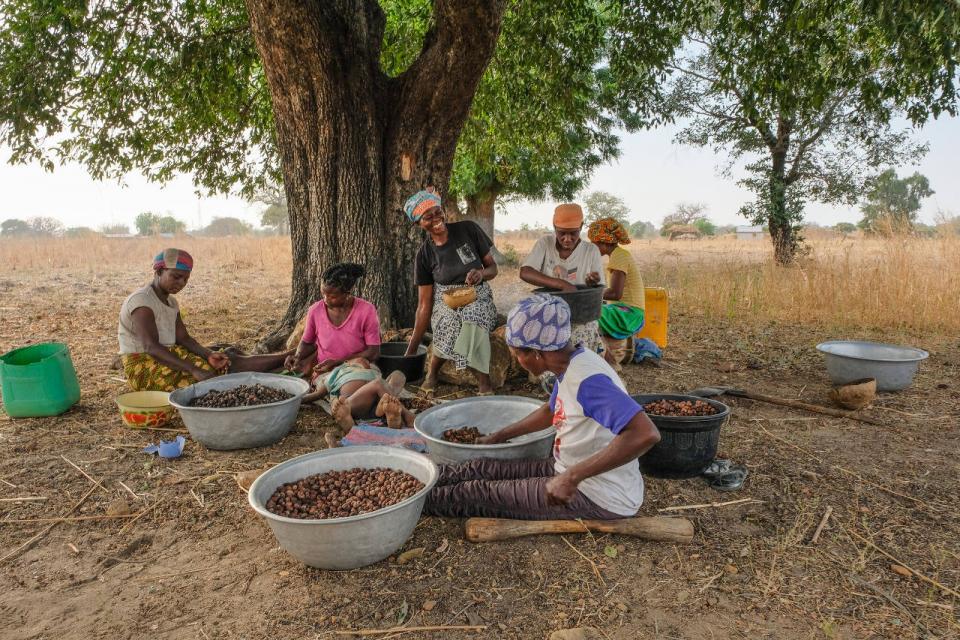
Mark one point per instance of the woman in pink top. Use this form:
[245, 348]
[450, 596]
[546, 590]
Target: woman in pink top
[339, 327]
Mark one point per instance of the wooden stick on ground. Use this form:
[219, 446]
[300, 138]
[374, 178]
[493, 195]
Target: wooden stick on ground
[441, 627]
[25, 499]
[141, 514]
[823, 523]
[85, 474]
[593, 564]
[29, 543]
[706, 505]
[938, 585]
[65, 519]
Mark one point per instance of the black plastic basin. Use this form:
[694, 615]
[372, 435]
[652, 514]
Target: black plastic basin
[585, 303]
[688, 444]
[392, 359]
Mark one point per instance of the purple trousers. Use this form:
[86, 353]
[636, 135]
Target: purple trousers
[516, 489]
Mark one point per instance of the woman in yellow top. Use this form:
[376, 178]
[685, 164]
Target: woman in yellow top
[622, 314]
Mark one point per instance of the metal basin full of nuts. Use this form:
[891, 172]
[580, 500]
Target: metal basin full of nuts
[353, 541]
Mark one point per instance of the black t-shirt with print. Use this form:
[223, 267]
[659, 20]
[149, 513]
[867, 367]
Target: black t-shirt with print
[464, 250]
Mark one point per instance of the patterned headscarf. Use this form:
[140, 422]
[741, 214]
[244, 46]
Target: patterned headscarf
[608, 231]
[173, 259]
[539, 322]
[419, 203]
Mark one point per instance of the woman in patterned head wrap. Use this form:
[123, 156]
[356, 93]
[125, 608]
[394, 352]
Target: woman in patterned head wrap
[157, 352]
[623, 313]
[601, 431]
[452, 256]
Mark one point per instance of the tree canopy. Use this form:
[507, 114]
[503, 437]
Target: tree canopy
[892, 203]
[600, 204]
[804, 92]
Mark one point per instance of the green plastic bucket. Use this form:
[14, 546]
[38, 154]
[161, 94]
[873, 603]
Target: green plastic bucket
[38, 380]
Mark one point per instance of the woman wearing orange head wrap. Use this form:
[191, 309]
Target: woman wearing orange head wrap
[622, 315]
[562, 261]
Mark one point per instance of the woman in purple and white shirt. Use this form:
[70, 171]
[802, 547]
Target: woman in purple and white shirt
[601, 431]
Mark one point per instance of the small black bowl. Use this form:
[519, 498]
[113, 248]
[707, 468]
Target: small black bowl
[688, 444]
[585, 303]
[392, 359]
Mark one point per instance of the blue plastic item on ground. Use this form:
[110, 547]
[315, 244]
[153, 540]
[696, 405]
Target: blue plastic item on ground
[645, 349]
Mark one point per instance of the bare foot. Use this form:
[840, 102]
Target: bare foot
[333, 442]
[342, 414]
[390, 408]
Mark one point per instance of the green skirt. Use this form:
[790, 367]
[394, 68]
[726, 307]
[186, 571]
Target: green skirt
[619, 320]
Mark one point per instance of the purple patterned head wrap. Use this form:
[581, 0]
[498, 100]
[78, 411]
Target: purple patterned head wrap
[419, 203]
[540, 322]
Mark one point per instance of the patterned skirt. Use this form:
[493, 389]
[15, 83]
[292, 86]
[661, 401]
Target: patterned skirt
[146, 374]
[448, 322]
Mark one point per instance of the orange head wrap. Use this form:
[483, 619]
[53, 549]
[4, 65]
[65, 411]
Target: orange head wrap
[568, 216]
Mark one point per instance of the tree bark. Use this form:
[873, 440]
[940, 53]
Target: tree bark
[778, 219]
[481, 209]
[354, 143]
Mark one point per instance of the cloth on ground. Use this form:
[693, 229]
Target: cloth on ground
[144, 373]
[366, 433]
[644, 349]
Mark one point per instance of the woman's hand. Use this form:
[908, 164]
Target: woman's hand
[492, 438]
[291, 363]
[324, 367]
[567, 286]
[561, 489]
[592, 279]
[218, 360]
[474, 276]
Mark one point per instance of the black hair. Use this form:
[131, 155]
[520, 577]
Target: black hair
[343, 276]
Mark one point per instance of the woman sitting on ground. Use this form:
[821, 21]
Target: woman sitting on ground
[450, 257]
[562, 261]
[339, 327]
[358, 392]
[601, 431]
[622, 315]
[157, 352]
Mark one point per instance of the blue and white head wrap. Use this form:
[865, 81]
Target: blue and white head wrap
[419, 203]
[540, 322]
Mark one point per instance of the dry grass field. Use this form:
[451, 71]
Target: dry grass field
[196, 562]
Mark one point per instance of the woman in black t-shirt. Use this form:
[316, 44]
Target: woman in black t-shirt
[452, 256]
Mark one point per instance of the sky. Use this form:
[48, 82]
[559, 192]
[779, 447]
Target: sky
[652, 175]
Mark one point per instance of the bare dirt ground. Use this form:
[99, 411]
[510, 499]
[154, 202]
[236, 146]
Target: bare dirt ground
[198, 563]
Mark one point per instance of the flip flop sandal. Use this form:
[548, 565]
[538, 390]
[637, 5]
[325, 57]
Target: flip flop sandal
[717, 468]
[732, 480]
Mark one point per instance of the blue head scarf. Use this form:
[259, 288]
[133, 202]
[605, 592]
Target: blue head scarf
[540, 322]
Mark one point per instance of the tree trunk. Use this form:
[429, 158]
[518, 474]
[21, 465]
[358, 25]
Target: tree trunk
[778, 219]
[354, 143]
[480, 209]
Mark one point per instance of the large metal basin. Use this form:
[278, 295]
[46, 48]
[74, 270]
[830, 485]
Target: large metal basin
[356, 541]
[240, 427]
[893, 366]
[488, 414]
[585, 303]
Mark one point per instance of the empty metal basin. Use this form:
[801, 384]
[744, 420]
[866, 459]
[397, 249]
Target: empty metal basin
[240, 427]
[488, 414]
[356, 541]
[893, 366]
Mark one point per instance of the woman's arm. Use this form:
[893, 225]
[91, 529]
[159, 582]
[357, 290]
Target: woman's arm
[536, 278]
[145, 328]
[424, 310]
[540, 419]
[617, 281]
[304, 350]
[489, 271]
[634, 440]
